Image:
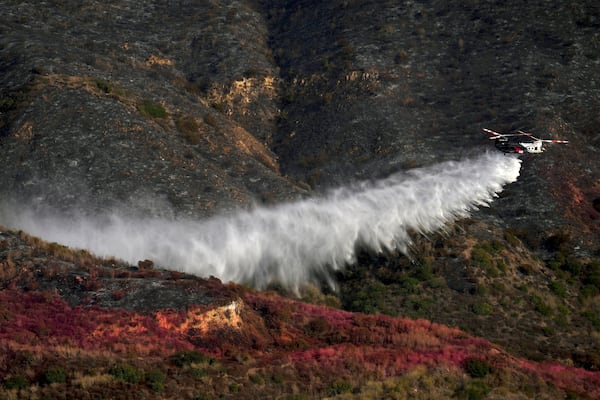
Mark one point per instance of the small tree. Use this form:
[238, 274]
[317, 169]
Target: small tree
[15, 382]
[127, 373]
[155, 379]
[152, 109]
[55, 375]
[477, 368]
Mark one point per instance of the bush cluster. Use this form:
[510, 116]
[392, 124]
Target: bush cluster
[155, 379]
[477, 368]
[187, 357]
[152, 109]
[103, 86]
[127, 373]
[55, 375]
[475, 390]
[482, 309]
[17, 382]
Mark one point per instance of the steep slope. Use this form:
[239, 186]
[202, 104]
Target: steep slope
[187, 105]
[107, 97]
[194, 108]
[74, 325]
[388, 87]
[189, 102]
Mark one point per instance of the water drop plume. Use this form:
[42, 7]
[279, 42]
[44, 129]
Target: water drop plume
[293, 243]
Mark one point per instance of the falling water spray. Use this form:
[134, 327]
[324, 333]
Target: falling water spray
[292, 243]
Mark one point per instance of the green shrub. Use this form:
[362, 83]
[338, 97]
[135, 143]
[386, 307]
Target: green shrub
[482, 308]
[480, 257]
[492, 271]
[436, 282]
[475, 390]
[257, 379]
[187, 357]
[369, 298]
[103, 86]
[424, 271]
[326, 62]
[588, 291]
[506, 301]
[511, 237]
[152, 109]
[501, 266]
[548, 330]
[499, 287]
[15, 382]
[127, 373]
[202, 396]
[540, 306]
[277, 378]
[7, 105]
[572, 266]
[217, 105]
[55, 375]
[480, 290]
[418, 307]
[340, 387]
[592, 274]
[558, 288]
[477, 368]
[592, 316]
[493, 247]
[198, 372]
[155, 379]
[282, 116]
[561, 319]
[410, 285]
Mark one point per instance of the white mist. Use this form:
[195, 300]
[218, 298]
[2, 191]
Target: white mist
[291, 243]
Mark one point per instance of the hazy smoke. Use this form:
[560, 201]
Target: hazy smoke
[290, 243]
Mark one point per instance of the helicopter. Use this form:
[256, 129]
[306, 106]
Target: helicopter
[519, 143]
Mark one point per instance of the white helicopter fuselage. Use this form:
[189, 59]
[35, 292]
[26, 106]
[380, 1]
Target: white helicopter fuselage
[532, 147]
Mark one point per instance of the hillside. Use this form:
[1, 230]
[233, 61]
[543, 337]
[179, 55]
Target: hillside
[74, 325]
[133, 106]
[197, 112]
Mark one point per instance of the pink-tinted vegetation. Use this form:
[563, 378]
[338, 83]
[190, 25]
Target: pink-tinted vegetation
[311, 341]
[382, 362]
[565, 377]
[33, 319]
[377, 330]
[384, 346]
